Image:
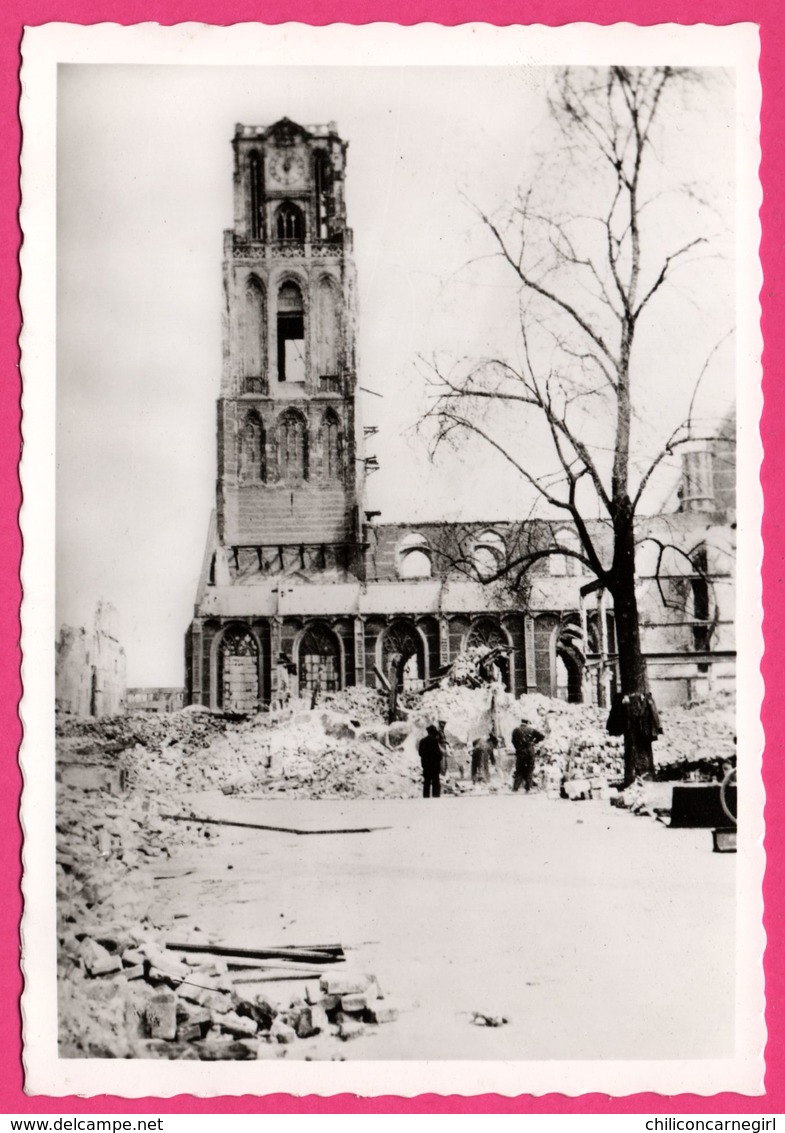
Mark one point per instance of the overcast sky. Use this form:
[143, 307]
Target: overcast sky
[144, 184]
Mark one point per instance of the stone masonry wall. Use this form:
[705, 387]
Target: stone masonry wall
[90, 669]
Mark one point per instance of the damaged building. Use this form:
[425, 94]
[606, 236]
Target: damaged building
[90, 667]
[302, 587]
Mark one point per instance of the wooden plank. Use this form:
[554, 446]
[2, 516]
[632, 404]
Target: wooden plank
[251, 965]
[270, 978]
[318, 956]
[277, 829]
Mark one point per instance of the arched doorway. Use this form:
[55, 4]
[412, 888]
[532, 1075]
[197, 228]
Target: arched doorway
[238, 671]
[403, 656]
[569, 661]
[569, 678]
[318, 660]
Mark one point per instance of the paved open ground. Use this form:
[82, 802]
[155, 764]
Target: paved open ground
[599, 934]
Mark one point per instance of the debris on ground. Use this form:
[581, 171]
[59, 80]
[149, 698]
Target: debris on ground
[343, 748]
[480, 1019]
[121, 781]
[140, 1005]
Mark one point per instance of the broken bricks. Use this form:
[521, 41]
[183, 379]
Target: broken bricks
[135, 972]
[282, 1032]
[161, 1015]
[238, 1026]
[344, 983]
[192, 1022]
[350, 1029]
[149, 1000]
[97, 960]
[357, 1002]
[187, 1021]
[311, 1020]
[381, 1012]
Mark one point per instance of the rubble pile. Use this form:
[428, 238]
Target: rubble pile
[475, 666]
[186, 749]
[343, 748]
[576, 744]
[696, 738]
[107, 835]
[111, 734]
[650, 799]
[577, 748]
[124, 995]
[107, 854]
[327, 754]
[362, 704]
[102, 844]
[339, 749]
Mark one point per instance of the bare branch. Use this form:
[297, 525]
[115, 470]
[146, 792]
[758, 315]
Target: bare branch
[551, 296]
[472, 427]
[664, 271]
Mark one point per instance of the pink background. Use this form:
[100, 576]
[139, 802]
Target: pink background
[14, 14]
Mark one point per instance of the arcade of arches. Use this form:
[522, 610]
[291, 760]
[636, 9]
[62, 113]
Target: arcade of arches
[237, 659]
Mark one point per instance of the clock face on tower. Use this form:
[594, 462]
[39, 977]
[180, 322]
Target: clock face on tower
[287, 168]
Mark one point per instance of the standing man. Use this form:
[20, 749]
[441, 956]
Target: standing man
[482, 758]
[524, 739]
[284, 682]
[318, 687]
[430, 752]
[445, 746]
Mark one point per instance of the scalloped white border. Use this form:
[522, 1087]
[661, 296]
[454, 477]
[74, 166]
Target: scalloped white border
[43, 48]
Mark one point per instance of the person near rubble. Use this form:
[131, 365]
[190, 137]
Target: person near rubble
[483, 757]
[634, 715]
[318, 687]
[445, 746]
[431, 754]
[525, 739]
[283, 680]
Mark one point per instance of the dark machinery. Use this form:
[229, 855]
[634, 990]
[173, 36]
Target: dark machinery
[725, 836]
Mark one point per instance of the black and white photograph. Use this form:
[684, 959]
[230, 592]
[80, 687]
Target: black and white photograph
[391, 422]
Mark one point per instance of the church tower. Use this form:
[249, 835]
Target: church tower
[288, 478]
[286, 530]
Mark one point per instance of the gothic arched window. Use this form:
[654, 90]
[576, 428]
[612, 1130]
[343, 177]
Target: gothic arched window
[322, 178]
[252, 455]
[253, 330]
[290, 223]
[291, 334]
[327, 327]
[319, 660]
[332, 446]
[566, 564]
[238, 671]
[292, 446]
[414, 557]
[255, 196]
[488, 554]
[487, 636]
[403, 655]
[486, 632]
[699, 600]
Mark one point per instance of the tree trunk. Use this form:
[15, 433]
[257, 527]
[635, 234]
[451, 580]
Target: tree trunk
[638, 758]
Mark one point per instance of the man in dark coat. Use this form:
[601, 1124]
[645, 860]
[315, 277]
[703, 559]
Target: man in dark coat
[431, 752]
[524, 739]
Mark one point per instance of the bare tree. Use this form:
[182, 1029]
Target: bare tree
[589, 270]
